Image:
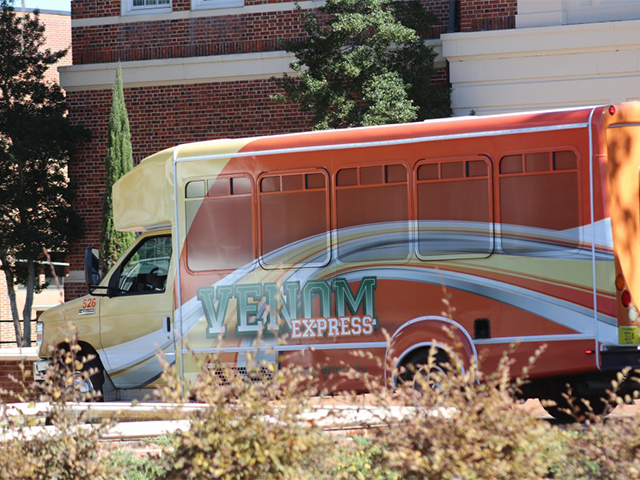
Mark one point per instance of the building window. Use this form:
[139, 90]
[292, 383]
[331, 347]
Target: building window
[206, 4]
[135, 7]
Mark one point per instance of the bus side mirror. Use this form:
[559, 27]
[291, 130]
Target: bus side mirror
[91, 268]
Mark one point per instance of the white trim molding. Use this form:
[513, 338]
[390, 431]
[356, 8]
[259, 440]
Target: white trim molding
[175, 71]
[544, 67]
[17, 354]
[191, 70]
[544, 13]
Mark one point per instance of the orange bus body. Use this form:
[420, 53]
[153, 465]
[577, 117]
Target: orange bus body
[470, 234]
[527, 223]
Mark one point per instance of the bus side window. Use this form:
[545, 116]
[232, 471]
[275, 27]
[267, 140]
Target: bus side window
[147, 268]
[294, 219]
[539, 202]
[220, 224]
[453, 205]
[372, 208]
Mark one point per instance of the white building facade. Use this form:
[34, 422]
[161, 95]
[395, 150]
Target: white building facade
[562, 53]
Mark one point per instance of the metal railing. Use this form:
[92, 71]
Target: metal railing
[8, 336]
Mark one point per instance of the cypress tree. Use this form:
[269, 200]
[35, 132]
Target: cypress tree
[119, 160]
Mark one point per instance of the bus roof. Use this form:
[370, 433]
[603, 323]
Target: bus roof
[143, 199]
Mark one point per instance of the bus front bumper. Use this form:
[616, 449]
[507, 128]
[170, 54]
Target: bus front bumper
[40, 370]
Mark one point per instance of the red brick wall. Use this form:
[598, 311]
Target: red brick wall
[195, 37]
[477, 15]
[217, 35]
[161, 117]
[111, 8]
[9, 368]
[58, 37]
[5, 307]
[439, 8]
[440, 77]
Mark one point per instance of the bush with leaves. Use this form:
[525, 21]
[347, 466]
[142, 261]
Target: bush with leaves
[62, 447]
[251, 428]
[460, 428]
[600, 448]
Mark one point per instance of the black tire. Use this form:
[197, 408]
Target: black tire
[95, 382]
[414, 366]
[97, 379]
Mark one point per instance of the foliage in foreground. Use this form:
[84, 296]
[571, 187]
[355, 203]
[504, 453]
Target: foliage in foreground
[251, 428]
[451, 427]
[62, 445]
[465, 428]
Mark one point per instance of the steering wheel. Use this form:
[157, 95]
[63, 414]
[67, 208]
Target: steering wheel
[158, 272]
[155, 280]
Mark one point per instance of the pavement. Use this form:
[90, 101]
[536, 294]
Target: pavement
[135, 421]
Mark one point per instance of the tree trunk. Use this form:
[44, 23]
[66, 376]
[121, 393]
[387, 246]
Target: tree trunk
[12, 298]
[28, 302]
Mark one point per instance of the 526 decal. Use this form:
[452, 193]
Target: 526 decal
[88, 306]
[89, 303]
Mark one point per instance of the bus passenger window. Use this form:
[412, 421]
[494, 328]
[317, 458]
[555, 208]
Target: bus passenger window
[220, 226]
[454, 208]
[539, 207]
[294, 219]
[372, 213]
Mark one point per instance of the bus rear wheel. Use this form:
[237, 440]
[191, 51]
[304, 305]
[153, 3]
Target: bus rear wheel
[420, 375]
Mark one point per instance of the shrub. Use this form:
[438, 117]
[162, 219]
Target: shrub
[460, 428]
[66, 448]
[251, 427]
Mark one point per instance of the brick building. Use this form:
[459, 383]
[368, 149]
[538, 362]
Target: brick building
[196, 70]
[201, 69]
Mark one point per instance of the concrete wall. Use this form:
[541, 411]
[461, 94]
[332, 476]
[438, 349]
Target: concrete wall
[544, 67]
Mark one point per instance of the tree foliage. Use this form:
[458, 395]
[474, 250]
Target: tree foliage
[364, 62]
[36, 142]
[119, 160]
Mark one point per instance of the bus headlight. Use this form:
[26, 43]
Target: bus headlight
[39, 332]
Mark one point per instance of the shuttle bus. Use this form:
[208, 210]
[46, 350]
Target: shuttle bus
[306, 247]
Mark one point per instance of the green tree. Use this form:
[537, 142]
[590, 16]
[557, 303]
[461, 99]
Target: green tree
[119, 161]
[36, 142]
[364, 62]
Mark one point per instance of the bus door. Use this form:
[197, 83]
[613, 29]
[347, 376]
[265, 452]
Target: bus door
[136, 323]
